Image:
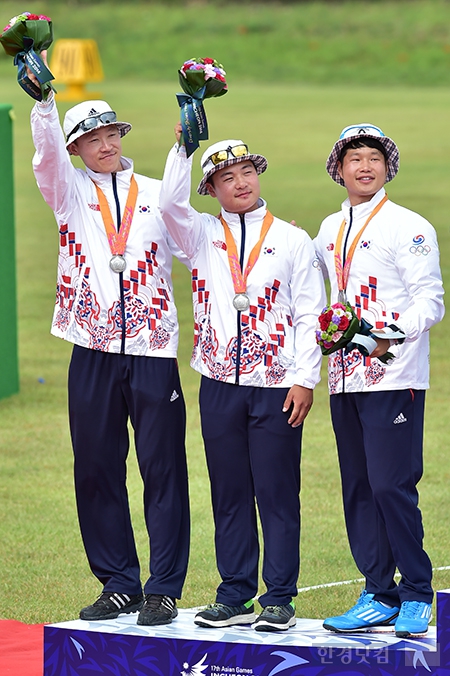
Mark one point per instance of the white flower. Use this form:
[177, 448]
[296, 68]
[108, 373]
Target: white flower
[209, 71]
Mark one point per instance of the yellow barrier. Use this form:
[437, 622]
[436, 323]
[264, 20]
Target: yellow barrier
[75, 63]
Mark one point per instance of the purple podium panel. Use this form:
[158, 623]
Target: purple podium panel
[122, 648]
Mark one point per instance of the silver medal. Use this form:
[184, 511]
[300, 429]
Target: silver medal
[342, 297]
[241, 302]
[118, 263]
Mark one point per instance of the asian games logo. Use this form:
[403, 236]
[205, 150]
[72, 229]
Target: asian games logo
[419, 248]
[288, 661]
[196, 669]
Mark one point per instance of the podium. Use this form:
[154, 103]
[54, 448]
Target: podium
[119, 647]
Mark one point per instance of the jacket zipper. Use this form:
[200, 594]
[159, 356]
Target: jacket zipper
[122, 294]
[239, 336]
[344, 256]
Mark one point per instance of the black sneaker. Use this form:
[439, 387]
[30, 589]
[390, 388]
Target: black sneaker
[276, 618]
[157, 609]
[110, 605]
[220, 615]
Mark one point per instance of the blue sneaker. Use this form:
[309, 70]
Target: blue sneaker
[413, 619]
[365, 614]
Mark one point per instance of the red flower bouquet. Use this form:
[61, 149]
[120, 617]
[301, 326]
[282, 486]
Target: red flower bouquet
[198, 73]
[338, 327]
[200, 79]
[24, 37]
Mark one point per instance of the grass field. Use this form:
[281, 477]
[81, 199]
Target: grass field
[44, 574]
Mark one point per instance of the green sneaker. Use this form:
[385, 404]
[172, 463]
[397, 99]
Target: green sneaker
[276, 618]
[220, 615]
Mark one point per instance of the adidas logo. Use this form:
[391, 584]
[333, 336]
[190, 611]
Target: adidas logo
[120, 600]
[92, 112]
[174, 395]
[400, 419]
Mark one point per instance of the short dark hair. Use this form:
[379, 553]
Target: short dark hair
[361, 142]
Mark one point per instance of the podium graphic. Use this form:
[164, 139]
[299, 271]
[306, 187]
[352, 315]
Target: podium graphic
[120, 647]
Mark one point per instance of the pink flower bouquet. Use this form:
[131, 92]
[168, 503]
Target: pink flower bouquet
[200, 79]
[24, 37]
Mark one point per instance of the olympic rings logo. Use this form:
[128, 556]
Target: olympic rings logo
[420, 250]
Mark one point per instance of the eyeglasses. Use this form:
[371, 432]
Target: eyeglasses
[93, 121]
[222, 155]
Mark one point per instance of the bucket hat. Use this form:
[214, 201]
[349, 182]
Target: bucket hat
[223, 154]
[355, 131]
[88, 115]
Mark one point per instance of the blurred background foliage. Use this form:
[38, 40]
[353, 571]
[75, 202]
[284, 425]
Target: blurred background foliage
[381, 42]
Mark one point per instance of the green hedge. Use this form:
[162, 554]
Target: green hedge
[384, 42]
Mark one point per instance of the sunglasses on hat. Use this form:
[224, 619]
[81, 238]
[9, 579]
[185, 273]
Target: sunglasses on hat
[93, 121]
[222, 155]
[361, 130]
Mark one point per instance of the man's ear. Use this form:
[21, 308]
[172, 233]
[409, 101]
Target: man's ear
[73, 148]
[210, 189]
[339, 168]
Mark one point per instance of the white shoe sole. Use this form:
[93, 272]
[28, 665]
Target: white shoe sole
[237, 619]
[265, 625]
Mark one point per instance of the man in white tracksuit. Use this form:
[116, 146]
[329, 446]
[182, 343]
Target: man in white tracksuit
[384, 260]
[257, 292]
[115, 303]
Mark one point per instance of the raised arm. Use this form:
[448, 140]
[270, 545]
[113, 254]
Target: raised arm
[182, 221]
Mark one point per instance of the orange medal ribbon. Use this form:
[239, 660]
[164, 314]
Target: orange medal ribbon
[118, 239]
[239, 279]
[342, 272]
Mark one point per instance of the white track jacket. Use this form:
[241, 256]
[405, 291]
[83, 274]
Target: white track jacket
[394, 279]
[95, 308]
[273, 343]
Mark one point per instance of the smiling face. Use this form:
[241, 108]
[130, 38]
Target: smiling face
[364, 173]
[100, 149]
[236, 187]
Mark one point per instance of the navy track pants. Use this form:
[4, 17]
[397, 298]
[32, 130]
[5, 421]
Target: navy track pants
[105, 392]
[379, 438]
[252, 453]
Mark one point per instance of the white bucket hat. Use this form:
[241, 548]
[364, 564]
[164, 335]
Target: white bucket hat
[360, 131]
[86, 116]
[233, 151]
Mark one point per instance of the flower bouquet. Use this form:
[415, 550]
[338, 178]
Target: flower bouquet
[24, 37]
[338, 327]
[200, 79]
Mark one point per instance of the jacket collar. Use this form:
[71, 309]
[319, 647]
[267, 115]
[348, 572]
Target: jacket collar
[123, 177]
[251, 217]
[364, 209]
